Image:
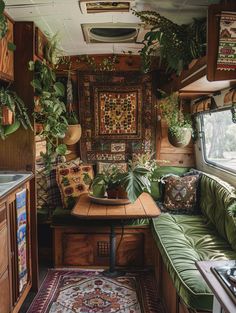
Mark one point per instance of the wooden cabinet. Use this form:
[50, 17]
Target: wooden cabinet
[7, 56]
[4, 261]
[89, 246]
[15, 256]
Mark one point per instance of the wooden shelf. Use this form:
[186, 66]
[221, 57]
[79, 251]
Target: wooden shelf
[193, 83]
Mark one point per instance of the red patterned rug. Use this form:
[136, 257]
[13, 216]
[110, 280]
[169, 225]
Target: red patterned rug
[78, 291]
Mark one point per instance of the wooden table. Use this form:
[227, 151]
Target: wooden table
[222, 301]
[143, 207]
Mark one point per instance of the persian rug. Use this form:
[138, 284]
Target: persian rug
[78, 291]
[227, 42]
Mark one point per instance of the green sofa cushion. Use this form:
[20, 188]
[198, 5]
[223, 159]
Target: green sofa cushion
[216, 198]
[182, 240]
[63, 217]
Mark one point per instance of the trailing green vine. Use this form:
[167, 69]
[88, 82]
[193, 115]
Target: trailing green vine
[51, 111]
[106, 64]
[177, 44]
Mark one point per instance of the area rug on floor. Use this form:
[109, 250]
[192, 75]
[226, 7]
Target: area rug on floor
[77, 291]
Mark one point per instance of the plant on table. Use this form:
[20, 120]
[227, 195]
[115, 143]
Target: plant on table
[13, 113]
[179, 123]
[120, 184]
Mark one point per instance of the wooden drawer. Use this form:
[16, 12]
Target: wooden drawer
[93, 249]
[3, 249]
[4, 293]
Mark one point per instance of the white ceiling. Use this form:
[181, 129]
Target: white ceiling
[65, 18]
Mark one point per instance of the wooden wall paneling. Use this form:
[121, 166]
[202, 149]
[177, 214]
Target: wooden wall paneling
[17, 152]
[173, 156]
[7, 56]
[214, 11]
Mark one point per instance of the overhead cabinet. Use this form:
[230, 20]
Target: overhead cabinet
[7, 56]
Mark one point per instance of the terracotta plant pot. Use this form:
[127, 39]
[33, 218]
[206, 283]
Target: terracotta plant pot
[183, 141]
[38, 128]
[117, 193]
[7, 116]
[73, 134]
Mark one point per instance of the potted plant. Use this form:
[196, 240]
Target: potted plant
[13, 113]
[179, 123]
[74, 130]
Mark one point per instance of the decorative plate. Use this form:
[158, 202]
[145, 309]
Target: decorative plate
[108, 201]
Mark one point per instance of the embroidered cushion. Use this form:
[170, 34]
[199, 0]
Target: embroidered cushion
[73, 180]
[181, 193]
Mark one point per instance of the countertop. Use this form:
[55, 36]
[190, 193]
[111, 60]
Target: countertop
[7, 188]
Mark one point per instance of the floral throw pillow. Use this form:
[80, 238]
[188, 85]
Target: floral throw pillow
[181, 193]
[73, 179]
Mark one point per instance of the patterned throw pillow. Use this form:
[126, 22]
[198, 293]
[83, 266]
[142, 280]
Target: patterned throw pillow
[181, 193]
[72, 178]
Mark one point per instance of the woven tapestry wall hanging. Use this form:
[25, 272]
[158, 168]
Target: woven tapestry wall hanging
[118, 112]
[117, 115]
[227, 42]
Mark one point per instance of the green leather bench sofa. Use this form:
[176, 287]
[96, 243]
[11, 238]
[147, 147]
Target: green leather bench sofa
[181, 240]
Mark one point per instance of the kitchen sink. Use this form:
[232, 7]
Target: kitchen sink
[10, 178]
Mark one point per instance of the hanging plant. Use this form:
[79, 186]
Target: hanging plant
[179, 123]
[52, 110]
[13, 113]
[177, 45]
[52, 52]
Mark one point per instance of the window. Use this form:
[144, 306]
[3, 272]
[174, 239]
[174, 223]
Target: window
[219, 139]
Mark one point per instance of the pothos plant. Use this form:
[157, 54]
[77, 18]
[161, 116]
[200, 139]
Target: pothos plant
[51, 112]
[12, 102]
[176, 44]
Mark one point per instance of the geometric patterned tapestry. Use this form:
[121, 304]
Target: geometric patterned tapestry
[118, 112]
[117, 115]
[227, 42]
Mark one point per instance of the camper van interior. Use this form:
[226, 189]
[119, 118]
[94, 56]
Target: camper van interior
[117, 156]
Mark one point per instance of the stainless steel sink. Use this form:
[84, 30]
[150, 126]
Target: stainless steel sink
[6, 179]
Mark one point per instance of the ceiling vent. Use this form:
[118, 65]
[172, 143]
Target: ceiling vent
[112, 32]
[94, 6]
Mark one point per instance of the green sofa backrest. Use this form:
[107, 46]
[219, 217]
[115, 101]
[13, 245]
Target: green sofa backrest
[216, 198]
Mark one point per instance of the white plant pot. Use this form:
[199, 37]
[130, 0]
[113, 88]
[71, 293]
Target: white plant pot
[73, 134]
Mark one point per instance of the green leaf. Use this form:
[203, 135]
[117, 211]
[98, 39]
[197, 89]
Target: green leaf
[61, 149]
[11, 46]
[135, 182]
[59, 89]
[2, 6]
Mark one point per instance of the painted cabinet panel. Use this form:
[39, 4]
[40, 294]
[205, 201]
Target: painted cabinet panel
[7, 56]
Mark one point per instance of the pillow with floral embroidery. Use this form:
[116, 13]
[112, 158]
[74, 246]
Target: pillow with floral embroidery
[73, 179]
[181, 193]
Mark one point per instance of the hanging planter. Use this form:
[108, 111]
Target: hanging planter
[7, 116]
[181, 137]
[73, 134]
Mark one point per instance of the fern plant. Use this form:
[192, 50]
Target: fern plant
[176, 44]
[14, 103]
